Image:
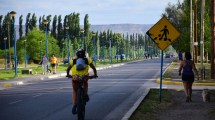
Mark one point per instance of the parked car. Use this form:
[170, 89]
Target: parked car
[65, 60]
[167, 56]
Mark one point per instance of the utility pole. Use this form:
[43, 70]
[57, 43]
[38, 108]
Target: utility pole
[202, 38]
[191, 29]
[195, 32]
[213, 42]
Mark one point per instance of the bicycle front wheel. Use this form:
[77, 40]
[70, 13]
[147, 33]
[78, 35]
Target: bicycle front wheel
[80, 104]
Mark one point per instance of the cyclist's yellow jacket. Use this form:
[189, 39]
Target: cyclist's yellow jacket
[80, 72]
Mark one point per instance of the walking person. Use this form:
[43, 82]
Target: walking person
[44, 63]
[187, 67]
[53, 61]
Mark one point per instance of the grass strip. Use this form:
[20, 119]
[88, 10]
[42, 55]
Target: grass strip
[152, 104]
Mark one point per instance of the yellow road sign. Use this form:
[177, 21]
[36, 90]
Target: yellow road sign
[163, 33]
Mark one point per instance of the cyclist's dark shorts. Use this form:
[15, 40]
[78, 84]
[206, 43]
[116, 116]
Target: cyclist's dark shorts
[53, 65]
[188, 78]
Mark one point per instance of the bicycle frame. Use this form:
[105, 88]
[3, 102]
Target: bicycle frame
[80, 99]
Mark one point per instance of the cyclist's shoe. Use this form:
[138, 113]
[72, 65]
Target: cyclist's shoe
[86, 98]
[74, 110]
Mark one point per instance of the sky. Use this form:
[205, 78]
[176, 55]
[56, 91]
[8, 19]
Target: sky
[99, 11]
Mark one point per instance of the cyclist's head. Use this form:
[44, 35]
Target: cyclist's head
[80, 53]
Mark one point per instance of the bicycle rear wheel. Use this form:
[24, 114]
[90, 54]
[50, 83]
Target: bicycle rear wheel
[80, 105]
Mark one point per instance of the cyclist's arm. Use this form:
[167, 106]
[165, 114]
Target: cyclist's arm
[94, 69]
[68, 69]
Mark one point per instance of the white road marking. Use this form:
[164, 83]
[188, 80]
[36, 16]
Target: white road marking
[37, 95]
[15, 102]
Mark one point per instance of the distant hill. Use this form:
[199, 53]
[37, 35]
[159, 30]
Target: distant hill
[122, 28]
[117, 28]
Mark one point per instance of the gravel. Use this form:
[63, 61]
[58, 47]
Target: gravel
[195, 110]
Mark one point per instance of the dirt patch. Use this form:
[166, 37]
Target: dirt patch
[181, 110]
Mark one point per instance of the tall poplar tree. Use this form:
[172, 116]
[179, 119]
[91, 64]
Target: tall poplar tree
[27, 23]
[54, 27]
[20, 26]
[87, 31]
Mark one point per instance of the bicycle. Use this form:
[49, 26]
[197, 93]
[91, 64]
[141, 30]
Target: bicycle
[80, 100]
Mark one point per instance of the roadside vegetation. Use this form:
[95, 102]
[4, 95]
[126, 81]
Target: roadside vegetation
[37, 70]
[151, 104]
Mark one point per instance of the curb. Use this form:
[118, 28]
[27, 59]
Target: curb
[168, 82]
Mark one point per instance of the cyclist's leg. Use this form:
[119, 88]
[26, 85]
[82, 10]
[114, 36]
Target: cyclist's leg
[74, 92]
[74, 95]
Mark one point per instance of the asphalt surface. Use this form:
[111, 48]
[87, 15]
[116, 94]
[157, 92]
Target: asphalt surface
[142, 91]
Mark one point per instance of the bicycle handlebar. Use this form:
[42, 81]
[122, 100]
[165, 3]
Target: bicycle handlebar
[90, 77]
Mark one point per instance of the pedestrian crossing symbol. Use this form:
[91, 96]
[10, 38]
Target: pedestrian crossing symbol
[163, 33]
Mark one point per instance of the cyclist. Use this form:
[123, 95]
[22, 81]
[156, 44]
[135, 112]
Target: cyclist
[80, 53]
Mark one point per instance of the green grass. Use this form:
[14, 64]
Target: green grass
[151, 104]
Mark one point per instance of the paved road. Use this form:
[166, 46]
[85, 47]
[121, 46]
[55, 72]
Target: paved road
[112, 95]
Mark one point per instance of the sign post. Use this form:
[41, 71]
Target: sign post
[163, 34]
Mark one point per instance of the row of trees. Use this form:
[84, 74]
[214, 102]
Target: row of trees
[132, 45]
[179, 15]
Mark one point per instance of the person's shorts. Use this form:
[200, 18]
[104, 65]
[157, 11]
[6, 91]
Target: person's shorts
[188, 78]
[75, 80]
[53, 65]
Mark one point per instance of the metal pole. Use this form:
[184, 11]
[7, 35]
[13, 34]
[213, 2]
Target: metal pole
[195, 32]
[8, 37]
[127, 49]
[5, 53]
[94, 53]
[103, 51]
[15, 57]
[117, 52]
[191, 28]
[161, 74]
[68, 44]
[40, 49]
[110, 51]
[213, 42]
[202, 38]
[25, 53]
[83, 41]
[62, 50]
[47, 56]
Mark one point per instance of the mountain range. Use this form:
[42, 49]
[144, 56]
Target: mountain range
[122, 28]
[115, 28]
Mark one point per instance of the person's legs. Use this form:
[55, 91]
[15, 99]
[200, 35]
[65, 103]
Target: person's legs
[55, 68]
[44, 69]
[52, 67]
[189, 84]
[186, 90]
